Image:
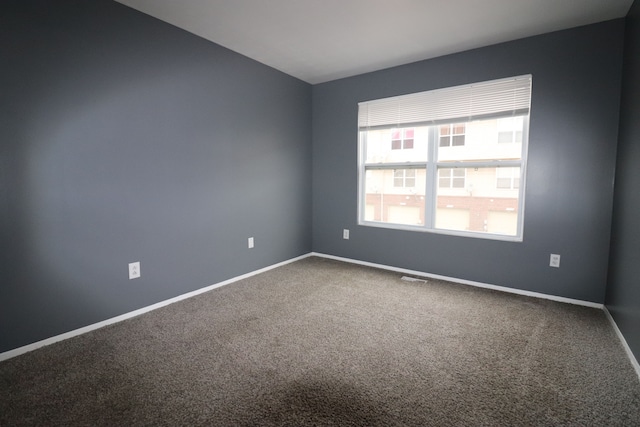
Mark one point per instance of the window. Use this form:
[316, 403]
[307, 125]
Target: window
[452, 135]
[510, 130]
[508, 178]
[451, 178]
[450, 160]
[404, 178]
[402, 139]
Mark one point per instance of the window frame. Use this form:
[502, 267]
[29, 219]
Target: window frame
[431, 167]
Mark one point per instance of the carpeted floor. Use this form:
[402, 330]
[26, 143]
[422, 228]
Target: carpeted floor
[324, 343]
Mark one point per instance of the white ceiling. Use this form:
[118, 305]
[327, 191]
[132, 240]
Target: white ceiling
[322, 40]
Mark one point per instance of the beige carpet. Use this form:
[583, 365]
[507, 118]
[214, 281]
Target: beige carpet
[320, 342]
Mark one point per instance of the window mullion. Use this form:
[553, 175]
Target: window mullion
[432, 179]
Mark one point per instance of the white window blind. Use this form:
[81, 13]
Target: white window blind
[496, 98]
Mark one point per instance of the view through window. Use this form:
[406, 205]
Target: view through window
[450, 160]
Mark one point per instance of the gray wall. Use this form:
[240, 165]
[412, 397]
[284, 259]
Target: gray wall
[573, 136]
[623, 290]
[125, 139]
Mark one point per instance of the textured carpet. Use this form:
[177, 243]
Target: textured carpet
[320, 342]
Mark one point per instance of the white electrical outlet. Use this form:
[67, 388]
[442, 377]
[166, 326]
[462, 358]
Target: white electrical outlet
[250, 242]
[345, 234]
[554, 261]
[134, 270]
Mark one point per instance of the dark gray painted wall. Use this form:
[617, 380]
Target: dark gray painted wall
[573, 136]
[623, 290]
[125, 139]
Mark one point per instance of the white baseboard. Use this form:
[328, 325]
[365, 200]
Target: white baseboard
[464, 282]
[30, 347]
[632, 357]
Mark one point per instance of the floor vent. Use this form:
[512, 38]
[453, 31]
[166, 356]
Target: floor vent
[412, 279]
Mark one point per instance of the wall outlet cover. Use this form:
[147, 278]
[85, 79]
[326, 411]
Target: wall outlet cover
[134, 270]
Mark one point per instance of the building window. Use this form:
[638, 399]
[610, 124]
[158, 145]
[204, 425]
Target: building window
[508, 178]
[402, 139]
[451, 135]
[404, 178]
[451, 178]
[456, 163]
[510, 130]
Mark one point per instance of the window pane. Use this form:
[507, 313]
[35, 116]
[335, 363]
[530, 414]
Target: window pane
[381, 148]
[458, 140]
[477, 205]
[408, 134]
[408, 143]
[445, 141]
[458, 183]
[484, 140]
[384, 202]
